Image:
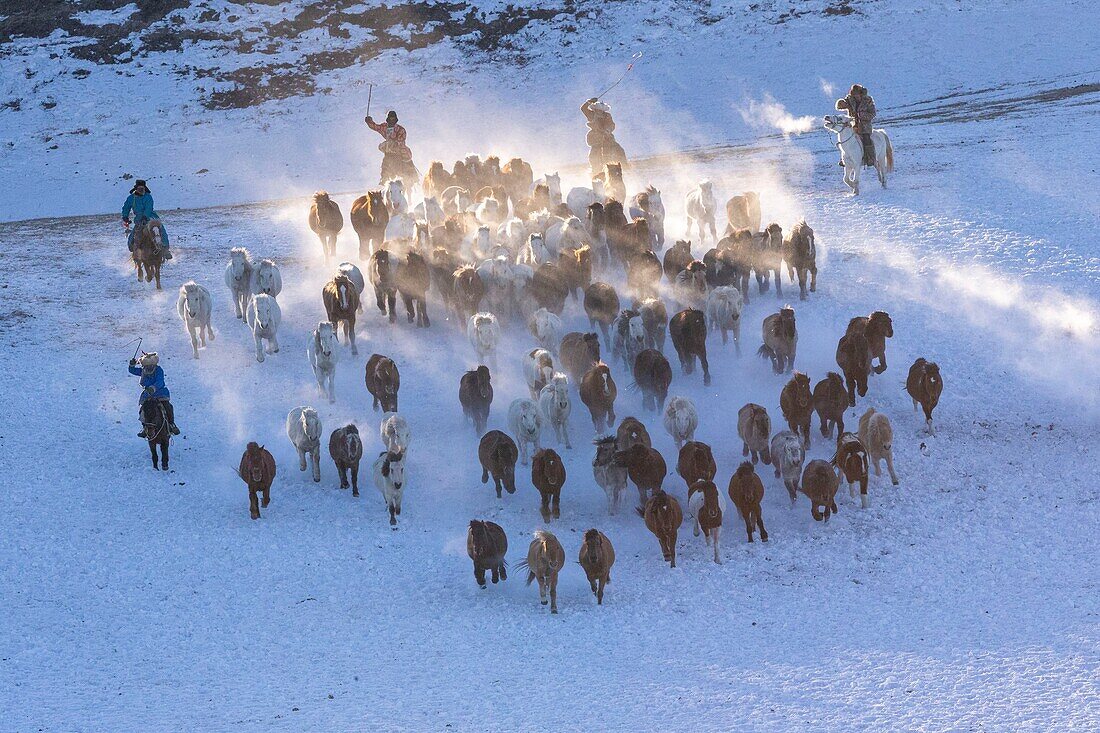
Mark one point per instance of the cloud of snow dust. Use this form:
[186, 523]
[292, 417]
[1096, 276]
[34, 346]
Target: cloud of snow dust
[769, 113]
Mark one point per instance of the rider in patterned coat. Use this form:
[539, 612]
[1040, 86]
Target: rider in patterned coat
[153, 387]
[860, 106]
[396, 155]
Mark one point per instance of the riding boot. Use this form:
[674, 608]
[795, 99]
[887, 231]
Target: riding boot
[166, 252]
[868, 149]
[171, 414]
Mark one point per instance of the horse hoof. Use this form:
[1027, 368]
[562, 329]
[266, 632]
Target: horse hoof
[553, 610]
[544, 602]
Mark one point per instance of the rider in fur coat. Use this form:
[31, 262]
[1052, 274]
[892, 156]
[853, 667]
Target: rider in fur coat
[860, 106]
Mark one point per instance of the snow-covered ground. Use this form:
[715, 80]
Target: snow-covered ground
[964, 599]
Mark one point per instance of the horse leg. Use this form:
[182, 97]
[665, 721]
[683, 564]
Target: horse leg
[342, 469]
[259, 345]
[349, 332]
[422, 311]
[599, 591]
[153, 451]
[545, 508]
[194, 340]
[274, 343]
[864, 498]
[164, 455]
[301, 459]
[706, 367]
[393, 518]
[355, 479]
[392, 305]
[409, 310]
[267, 495]
[760, 524]
[479, 576]
[813, 280]
[315, 455]
[851, 390]
[496, 574]
[553, 592]
[557, 505]
[716, 532]
[253, 503]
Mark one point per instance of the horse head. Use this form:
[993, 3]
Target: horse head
[605, 450]
[484, 381]
[594, 545]
[836, 123]
[393, 467]
[325, 338]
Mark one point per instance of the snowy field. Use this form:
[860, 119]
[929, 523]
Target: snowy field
[964, 599]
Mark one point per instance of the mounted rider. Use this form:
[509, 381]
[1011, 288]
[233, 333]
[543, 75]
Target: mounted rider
[860, 106]
[140, 204]
[603, 147]
[396, 156]
[153, 388]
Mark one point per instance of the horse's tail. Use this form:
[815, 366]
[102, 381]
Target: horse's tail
[889, 154]
[766, 352]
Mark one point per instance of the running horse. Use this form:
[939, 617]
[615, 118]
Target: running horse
[147, 253]
[154, 418]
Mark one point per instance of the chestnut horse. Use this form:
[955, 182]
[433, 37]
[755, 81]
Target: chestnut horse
[663, 518]
[596, 557]
[257, 469]
[148, 255]
[486, 544]
[369, 217]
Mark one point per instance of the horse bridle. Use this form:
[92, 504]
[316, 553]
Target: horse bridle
[163, 424]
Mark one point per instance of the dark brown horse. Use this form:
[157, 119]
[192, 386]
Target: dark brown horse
[601, 304]
[475, 394]
[876, 328]
[413, 279]
[830, 401]
[780, 336]
[346, 449]
[155, 419]
[575, 264]
[705, 507]
[819, 483]
[853, 356]
[652, 375]
[645, 467]
[596, 557]
[548, 476]
[257, 470]
[851, 459]
[643, 273]
[632, 432]
[689, 337]
[579, 353]
[468, 293]
[746, 492]
[676, 259]
[925, 385]
[383, 381]
[663, 518]
[797, 404]
[549, 288]
[369, 217]
[486, 544]
[696, 462]
[801, 255]
[382, 275]
[498, 454]
[341, 304]
[326, 221]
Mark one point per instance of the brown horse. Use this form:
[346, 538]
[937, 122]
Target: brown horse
[436, 180]
[148, 256]
[475, 394]
[706, 507]
[743, 212]
[579, 353]
[545, 559]
[382, 275]
[876, 328]
[830, 401]
[369, 217]
[257, 469]
[632, 432]
[851, 459]
[596, 557]
[676, 259]
[383, 381]
[598, 393]
[780, 336]
[468, 293]
[689, 337]
[601, 304]
[925, 385]
[549, 288]
[346, 449]
[341, 304]
[498, 453]
[797, 404]
[696, 463]
[643, 272]
[754, 427]
[769, 257]
[663, 518]
[746, 491]
[853, 356]
[575, 264]
[413, 279]
[652, 375]
[819, 483]
[326, 221]
[801, 256]
[645, 467]
[548, 476]
[517, 177]
[486, 544]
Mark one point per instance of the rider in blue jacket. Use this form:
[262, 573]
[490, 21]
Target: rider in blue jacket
[140, 204]
[152, 382]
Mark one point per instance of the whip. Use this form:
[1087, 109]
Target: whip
[629, 66]
[139, 339]
[370, 93]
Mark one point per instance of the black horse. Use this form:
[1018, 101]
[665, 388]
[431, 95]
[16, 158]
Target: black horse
[155, 418]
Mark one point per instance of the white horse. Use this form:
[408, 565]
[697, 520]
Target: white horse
[680, 420]
[553, 182]
[481, 246]
[512, 234]
[267, 279]
[525, 422]
[538, 370]
[580, 198]
[547, 329]
[851, 151]
[430, 211]
[238, 278]
[395, 433]
[490, 212]
[484, 333]
[354, 274]
[323, 355]
[654, 214]
[496, 274]
[400, 232]
[701, 207]
[555, 407]
[628, 337]
[389, 479]
[303, 427]
[455, 200]
[264, 317]
[535, 252]
[724, 305]
[194, 306]
[394, 196]
[568, 233]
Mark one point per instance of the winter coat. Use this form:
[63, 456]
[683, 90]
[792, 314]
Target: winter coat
[154, 380]
[140, 206]
[394, 143]
[862, 110]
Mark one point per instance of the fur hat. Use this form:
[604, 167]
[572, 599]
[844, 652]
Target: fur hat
[150, 360]
[601, 106]
[140, 182]
[392, 114]
[857, 89]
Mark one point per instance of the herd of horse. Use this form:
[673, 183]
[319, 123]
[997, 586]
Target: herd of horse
[502, 254]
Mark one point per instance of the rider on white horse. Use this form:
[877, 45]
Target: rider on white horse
[860, 106]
